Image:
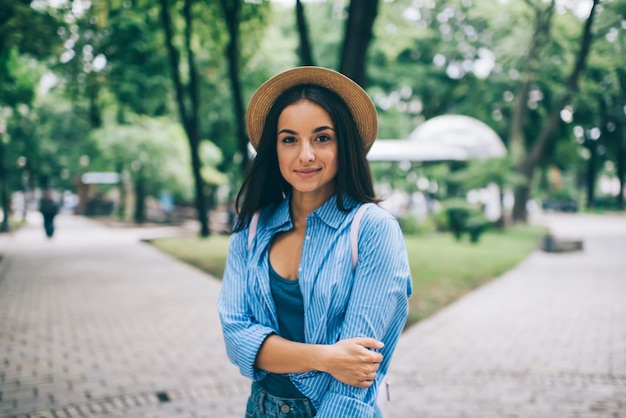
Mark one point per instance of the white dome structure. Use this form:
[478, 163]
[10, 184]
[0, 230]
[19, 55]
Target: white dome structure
[442, 138]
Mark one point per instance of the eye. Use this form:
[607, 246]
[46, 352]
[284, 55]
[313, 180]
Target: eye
[324, 138]
[288, 139]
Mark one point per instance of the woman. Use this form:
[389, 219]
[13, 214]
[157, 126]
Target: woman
[313, 333]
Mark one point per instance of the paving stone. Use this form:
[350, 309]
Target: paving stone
[97, 324]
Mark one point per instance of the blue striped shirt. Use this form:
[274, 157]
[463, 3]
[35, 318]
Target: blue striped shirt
[340, 303]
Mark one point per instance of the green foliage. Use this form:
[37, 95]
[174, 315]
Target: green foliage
[27, 28]
[463, 218]
[137, 67]
[410, 225]
[480, 173]
[157, 150]
[58, 141]
[19, 76]
[424, 61]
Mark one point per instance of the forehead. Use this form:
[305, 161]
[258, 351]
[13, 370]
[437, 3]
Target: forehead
[304, 112]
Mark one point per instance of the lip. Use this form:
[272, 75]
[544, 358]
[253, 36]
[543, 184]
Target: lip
[307, 172]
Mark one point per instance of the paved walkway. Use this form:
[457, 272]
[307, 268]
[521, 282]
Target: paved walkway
[547, 339]
[94, 323]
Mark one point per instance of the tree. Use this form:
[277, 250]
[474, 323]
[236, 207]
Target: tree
[153, 153]
[357, 37]
[529, 161]
[606, 84]
[232, 16]
[187, 98]
[23, 31]
[478, 174]
[304, 50]
[137, 62]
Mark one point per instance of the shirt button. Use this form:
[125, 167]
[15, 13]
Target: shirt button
[285, 409]
[307, 237]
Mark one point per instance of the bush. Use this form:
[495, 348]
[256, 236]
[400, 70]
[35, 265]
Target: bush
[465, 218]
[440, 220]
[410, 225]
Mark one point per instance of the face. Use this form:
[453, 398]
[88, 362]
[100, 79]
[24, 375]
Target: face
[307, 149]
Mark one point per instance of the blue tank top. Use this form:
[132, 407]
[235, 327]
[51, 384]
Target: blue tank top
[290, 313]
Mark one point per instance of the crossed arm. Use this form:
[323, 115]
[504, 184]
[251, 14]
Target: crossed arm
[349, 361]
[352, 361]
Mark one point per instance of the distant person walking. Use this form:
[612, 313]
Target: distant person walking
[48, 208]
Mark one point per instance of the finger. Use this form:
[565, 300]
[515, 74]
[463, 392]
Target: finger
[365, 383]
[370, 377]
[370, 343]
[376, 357]
[366, 375]
[369, 358]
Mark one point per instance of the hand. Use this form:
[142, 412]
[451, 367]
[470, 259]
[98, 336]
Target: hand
[350, 361]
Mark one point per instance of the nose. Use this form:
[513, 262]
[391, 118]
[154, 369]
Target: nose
[307, 154]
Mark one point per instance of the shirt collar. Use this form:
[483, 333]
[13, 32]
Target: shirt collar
[280, 216]
[329, 213]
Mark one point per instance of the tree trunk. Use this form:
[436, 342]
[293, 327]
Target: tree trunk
[305, 51]
[4, 193]
[140, 197]
[188, 115]
[541, 36]
[500, 223]
[357, 37]
[93, 90]
[121, 207]
[528, 164]
[232, 13]
[591, 174]
[621, 164]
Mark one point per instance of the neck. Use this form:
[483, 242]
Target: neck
[302, 204]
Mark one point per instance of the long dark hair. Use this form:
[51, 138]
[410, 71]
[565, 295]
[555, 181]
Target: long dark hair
[263, 184]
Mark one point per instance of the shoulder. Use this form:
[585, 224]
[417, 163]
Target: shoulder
[375, 213]
[258, 223]
[378, 222]
[238, 240]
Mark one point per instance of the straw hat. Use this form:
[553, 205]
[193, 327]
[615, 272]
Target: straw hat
[359, 103]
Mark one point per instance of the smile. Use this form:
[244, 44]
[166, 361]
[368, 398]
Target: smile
[308, 172]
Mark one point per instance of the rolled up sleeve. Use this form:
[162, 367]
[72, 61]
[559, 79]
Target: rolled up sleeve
[378, 308]
[243, 335]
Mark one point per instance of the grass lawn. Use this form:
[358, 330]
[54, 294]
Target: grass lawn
[442, 268]
[208, 254]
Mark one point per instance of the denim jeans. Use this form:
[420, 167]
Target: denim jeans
[263, 405]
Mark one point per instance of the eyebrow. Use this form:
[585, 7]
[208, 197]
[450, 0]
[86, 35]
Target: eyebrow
[316, 130]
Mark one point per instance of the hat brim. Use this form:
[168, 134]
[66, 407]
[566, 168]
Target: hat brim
[360, 105]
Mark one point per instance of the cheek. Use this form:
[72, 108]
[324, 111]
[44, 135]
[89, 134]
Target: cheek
[283, 164]
[332, 162]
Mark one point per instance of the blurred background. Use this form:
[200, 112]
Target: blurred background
[502, 131]
[134, 110]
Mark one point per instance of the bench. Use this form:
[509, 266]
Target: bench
[552, 244]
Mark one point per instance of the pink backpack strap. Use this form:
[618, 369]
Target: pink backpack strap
[254, 222]
[354, 233]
